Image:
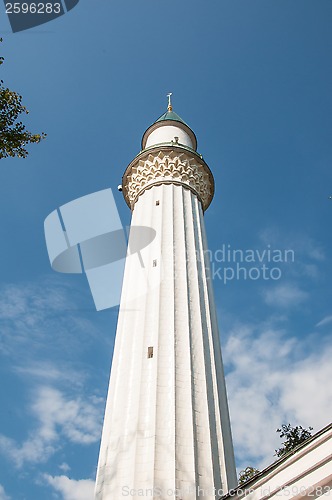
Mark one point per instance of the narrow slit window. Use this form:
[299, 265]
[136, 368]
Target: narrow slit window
[150, 352]
[154, 263]
[157, 202]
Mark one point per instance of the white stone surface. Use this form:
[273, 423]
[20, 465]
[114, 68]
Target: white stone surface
[167, 133]
[166, 425]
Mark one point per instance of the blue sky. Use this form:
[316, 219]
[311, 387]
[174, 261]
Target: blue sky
[253, 80]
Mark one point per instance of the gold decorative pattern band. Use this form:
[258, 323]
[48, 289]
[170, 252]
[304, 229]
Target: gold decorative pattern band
[165, 165]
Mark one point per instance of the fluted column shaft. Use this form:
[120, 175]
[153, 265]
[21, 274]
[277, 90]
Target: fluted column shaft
[166, 424]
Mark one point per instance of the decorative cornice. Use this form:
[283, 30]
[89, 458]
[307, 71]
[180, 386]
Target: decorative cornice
[168, 165]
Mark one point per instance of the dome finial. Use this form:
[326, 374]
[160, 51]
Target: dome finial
[170, 107]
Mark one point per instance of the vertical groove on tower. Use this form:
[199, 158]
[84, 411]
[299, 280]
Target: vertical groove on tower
[145, 440]
[213, 332]
[185, 429]
[226, 444]
[165, 404]
[193, 386]
[211, 382]
[131, 373]
[136, 418]
[112, 445]
[201, 400]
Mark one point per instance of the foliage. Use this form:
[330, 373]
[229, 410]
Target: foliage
[294, 436]
[247, 474]
[13, 134]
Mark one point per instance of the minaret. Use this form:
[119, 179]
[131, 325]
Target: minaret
[166, 430]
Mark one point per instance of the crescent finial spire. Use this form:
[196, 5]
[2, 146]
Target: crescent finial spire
[170, 107]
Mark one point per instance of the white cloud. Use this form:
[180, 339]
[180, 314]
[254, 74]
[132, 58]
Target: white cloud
[286, 295]
[316, 253]
[33, 333]
[64, 467]
[3, 495]
[310, 270]
[325, 321]
[48, 371]
[29, 319]
[308, 253]
[303, 246]
[72, 489]
[29, 300]
[274, 379]
[35, 449]
[76, 420]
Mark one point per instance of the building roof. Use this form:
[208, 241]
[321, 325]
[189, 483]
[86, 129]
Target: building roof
[250, 483]
[170, 115]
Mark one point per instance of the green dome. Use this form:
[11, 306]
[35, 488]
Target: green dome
[170, 115]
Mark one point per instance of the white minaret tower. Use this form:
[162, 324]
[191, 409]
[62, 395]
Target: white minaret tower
[166, 431]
